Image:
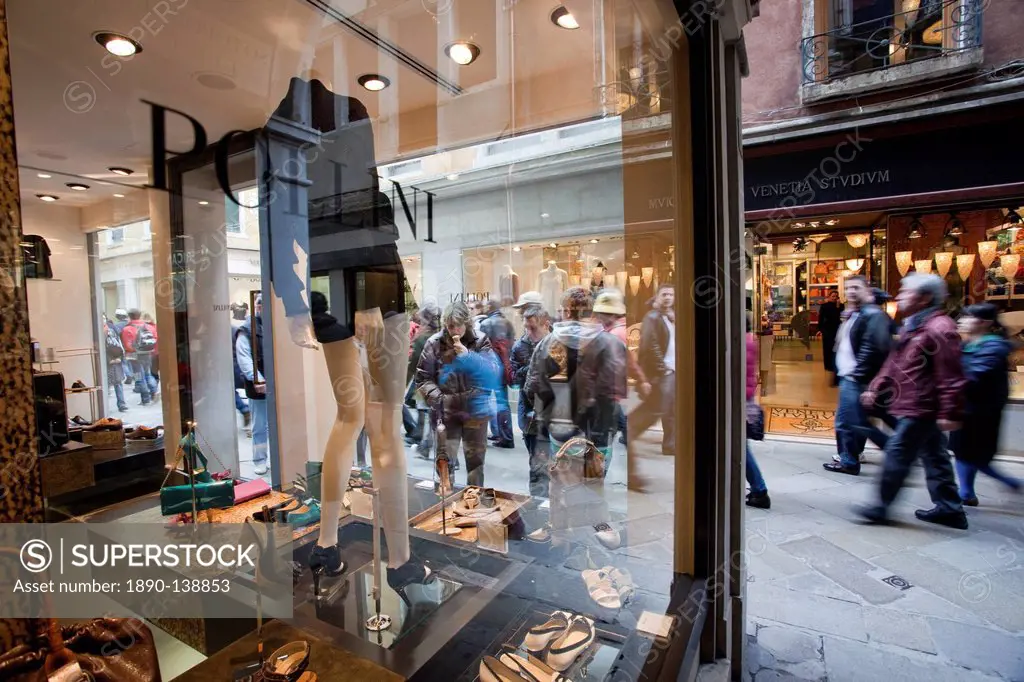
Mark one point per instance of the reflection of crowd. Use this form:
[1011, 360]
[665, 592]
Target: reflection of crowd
[571, 366]
[132, 355]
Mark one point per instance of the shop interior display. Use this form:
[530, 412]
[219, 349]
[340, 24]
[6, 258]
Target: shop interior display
[552, 282]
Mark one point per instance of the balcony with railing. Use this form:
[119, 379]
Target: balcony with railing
[928, 38]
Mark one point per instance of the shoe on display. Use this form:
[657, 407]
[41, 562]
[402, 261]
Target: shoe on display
[79, 385]
[105, 424]
[409, 573]
[143, 433]
[574, 641]
[325, 560]
[488, 498]
[529, 667]
[301, 519]
[540, 636]
[623, 583]
[493, 670]
[80, 421]
[759, 500]
[471, 498]
[288, 664]
[956, 520]
[601, 589]
[607, 536]
[542, 534]
[262, 469]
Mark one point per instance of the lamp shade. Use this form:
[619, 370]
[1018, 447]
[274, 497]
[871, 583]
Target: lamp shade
[1008, 265]
[903, 261]
[964, 265]
[987, 252]
[891, 308]
[854, 264]
[857, 241]
[943, 261]
[923, 266]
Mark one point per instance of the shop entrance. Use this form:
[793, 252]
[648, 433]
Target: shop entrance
[795, 299]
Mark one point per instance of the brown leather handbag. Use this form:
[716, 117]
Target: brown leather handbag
[101, 650]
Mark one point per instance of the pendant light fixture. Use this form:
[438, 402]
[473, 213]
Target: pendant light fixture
[964, 265]
[923, 267]
[943, 261]
[857, 241]
[916, 230]
[987, 252]
[854, 264]
[1008, 265]
[954, 227]
[903, 261]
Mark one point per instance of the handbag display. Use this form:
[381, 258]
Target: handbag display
[101, 650]
[201, 492]
[250, 490]
[755, 421]
[580, 450]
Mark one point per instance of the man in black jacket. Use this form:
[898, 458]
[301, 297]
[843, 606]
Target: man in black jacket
[862, 347]
[658, 362]
[535, 323]
[829, 318]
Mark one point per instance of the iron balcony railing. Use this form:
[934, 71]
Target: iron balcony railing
[860, 43]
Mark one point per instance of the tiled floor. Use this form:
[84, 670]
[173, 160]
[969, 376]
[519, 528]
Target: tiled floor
[800, 379]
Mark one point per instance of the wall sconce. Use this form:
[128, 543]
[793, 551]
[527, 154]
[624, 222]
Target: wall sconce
[854, 264]
[648, 275]
[1008, 264]
[954, 228]
[964, 265]
[857, 241]
[916, 230]
[634, 283]
[923, 267]
[943, 261]
[987, 252]
[903, 261]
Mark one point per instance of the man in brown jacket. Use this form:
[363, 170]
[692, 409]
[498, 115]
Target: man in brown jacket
[921, 384]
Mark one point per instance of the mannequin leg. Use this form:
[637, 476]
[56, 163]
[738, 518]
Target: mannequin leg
[349, 392]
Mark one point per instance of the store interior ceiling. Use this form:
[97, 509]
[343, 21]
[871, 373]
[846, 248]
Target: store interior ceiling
[777, 231]
[227, 63]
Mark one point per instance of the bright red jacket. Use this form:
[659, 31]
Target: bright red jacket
[923, 377]
[131, 331]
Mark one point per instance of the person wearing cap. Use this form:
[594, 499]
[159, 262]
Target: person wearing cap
[529, 299]
[610, 309]
[536, 326]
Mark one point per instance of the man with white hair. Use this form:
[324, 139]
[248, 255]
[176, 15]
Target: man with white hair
[921, 385]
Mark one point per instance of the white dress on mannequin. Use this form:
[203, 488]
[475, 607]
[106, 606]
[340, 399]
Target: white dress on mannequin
[552, 283]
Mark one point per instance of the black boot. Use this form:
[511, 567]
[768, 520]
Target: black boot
[759, 500]
[325, 560]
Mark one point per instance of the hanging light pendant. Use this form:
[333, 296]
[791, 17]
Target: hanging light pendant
[916, 230]
[943, 261]
[903, 261]
[857, 241]
[923, 267]
[1008, 264]
[854, 264]
[987, 252]
[954, 228]
[964, 265]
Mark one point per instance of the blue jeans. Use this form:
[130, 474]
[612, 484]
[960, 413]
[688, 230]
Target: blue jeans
[241, 404]
[852, 426]
[501, 422]
[145, 382]
[913, 438]
[754, 478]
[260, 431]
[967, 473]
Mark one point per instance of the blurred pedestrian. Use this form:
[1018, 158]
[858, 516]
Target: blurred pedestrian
[985, 353]
[829, 318]
[429, 324]
[758, 495]
[610, 310]
[115, 362]
[248, 339]
[456, 374]
[140, 341]
[922, 385]
[501, 335]
[535, 327]
[862, 347]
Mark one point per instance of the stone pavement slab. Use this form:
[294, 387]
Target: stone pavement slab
[898, 628]
[843, 568]
[808, 611]
[849, 661]
[816, 583]
[982, 649]
[982, 551]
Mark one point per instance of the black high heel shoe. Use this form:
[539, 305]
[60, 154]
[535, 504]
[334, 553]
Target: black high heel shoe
[408, 574]
[325, 560]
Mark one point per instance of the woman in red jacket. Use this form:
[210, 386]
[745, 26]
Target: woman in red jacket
[758, 495]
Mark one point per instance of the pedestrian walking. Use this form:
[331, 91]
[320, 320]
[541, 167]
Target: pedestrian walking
[610, 310]
[140, 341]
[922, 385]
[536, 326]
[456, 374]
[984, 357]
[115, 363]
[758, 495]
[862, 346]
[429, 324]
[829, 318]
[501, 335]
[249, 338]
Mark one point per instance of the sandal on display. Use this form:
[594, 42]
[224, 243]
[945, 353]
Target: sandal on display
[530, 668]
[539, 636]
[471, 498]
[325, 560]
[269, 514]
[601, 589]
[300, 519]
[566, 649]
[623, 583]
[487, 498]
[288, 664]
[493, 670]
[607, 536]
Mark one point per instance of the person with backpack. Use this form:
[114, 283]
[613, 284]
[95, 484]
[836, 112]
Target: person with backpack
[115, 363]
[248, 336]
[500, 332]
[139, 340]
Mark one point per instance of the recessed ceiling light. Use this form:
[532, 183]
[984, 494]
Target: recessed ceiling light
[46, 197]
[119, 196]
[517, 249]
[214, 80]
[77, 186]
[117, 44]
[44, 176]
[545, 215]
[564, 19]
[594, 241]
[453, 176]
[373, 82]
[553, 245]
[462, 52]
[204, 202]
[120, 170]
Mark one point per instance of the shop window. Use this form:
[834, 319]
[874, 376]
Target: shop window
[852, 46]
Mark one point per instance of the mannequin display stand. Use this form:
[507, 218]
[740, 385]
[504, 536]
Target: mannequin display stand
[378, 621]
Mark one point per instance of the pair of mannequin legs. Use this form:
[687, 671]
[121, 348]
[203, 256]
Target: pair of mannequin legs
[371, 399]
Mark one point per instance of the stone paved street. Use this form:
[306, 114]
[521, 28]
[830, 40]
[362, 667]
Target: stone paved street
[830, 599]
